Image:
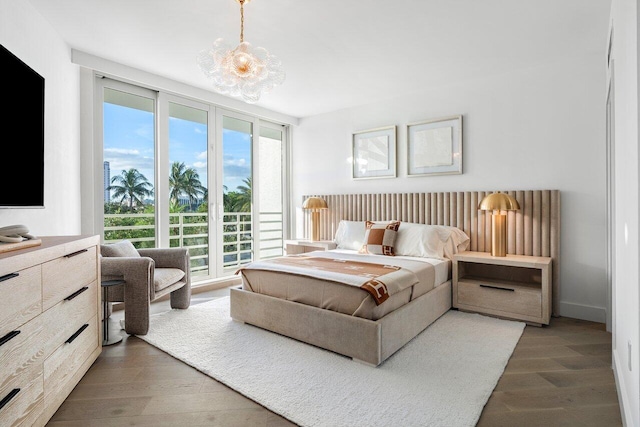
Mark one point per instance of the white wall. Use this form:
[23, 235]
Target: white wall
[541, 128]
[27, 35]
[626, 319]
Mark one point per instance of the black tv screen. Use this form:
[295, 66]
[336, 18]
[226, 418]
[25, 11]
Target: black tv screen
[22, 168]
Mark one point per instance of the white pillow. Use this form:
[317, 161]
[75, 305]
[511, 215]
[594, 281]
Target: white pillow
[350, 235]
[421, 240]
[458, 242]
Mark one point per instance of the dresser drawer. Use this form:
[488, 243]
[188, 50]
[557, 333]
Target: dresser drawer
[65, 275]
[513, 299]
[63, 364]
[21, 355]
[23, 403]
[21, 363]
[20, 298]
[62, 320]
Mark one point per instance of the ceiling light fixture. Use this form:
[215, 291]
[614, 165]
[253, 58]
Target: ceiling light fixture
[245, 70]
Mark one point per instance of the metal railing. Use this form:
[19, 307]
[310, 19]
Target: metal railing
[191, 230]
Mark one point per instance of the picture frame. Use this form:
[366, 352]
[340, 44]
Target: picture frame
[374, 153]
[434, 147]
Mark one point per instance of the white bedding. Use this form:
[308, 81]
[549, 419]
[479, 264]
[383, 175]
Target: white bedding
[343, 298]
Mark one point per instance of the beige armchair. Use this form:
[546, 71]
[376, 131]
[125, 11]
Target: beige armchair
[148, 274]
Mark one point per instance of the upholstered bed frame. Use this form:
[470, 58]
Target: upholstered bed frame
[534, 230]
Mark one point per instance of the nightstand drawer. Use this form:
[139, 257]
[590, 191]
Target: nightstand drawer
[512, 299]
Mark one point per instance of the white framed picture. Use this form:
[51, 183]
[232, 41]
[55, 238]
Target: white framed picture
[374, 153]
[434, 147]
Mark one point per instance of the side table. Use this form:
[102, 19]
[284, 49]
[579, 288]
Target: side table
[304, 246]
[106, 284]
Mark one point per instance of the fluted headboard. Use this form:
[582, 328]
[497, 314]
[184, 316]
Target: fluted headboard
[533, 230]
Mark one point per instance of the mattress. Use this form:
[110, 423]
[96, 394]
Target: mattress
[331, 295]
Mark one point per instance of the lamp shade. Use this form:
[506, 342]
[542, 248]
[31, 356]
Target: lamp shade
[499, 201]
[314, 203]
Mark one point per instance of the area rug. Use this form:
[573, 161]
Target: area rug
[443, 377]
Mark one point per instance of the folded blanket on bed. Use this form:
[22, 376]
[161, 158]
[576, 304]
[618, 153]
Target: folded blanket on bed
[378, 279]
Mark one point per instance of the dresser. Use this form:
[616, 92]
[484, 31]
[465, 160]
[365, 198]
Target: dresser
[49, 325]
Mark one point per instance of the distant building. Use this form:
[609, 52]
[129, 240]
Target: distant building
[184, 201]
[107, 181]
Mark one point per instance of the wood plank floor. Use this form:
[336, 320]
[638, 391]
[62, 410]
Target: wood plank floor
[559, 375]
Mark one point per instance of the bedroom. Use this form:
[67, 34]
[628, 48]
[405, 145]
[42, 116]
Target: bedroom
[542, 126]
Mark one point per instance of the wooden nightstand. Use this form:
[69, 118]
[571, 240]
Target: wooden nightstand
[302, 246]
[513, 287]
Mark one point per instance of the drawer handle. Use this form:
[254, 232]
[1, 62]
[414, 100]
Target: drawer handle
[8, 397]
[497, 287]
[78, 332]
[5, 339]
[76, 293]
[8, 276]
[76, 253]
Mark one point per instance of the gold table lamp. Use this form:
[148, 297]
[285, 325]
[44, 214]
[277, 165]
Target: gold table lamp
[498, 202]
[315, 204]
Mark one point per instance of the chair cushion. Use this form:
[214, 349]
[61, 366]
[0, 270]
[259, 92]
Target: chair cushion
[123, 248]
[164, 277]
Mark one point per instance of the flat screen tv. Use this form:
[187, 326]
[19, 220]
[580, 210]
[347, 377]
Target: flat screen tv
[22, 168]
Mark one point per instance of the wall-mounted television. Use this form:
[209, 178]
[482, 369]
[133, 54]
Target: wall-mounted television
[22, 154]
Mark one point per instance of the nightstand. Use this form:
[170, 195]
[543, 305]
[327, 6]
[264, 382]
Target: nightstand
[514, 287]
[302, 246]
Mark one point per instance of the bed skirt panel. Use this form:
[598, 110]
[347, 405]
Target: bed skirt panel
[364, 340]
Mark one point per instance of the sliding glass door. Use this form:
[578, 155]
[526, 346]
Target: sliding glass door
[187, 169]
[129, 143]
[182, 173]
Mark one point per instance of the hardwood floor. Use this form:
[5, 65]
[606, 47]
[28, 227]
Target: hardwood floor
[559, 375]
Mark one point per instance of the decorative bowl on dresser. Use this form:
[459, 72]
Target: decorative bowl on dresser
[49, 325]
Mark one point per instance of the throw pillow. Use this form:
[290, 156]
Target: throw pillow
[121, 249]
[380, 239]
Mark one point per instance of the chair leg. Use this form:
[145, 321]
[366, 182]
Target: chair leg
[181, 298]
[136, 310]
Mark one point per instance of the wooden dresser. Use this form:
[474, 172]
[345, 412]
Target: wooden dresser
[49, 325]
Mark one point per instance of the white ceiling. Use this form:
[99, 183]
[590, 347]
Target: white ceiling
[337, 53]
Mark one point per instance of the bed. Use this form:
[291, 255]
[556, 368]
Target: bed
[372, 335]
[362, 304]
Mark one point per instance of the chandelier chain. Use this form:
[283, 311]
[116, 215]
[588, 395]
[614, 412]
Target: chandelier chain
[241, 20]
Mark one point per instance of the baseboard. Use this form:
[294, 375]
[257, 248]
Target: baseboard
[623, 397]
[583, 312]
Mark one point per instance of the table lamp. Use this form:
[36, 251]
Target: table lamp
[314, 204]
[498, 202]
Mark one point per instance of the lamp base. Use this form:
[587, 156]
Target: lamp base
[315, 226]
[499, 235]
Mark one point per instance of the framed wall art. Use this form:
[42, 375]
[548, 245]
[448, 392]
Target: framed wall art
[374, 153]
[434, 147]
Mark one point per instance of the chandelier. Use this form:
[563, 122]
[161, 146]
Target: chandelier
[245, 70]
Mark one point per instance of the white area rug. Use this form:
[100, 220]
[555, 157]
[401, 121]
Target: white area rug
[443, 377]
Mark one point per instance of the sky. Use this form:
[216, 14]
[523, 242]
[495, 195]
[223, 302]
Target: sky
[129, 143]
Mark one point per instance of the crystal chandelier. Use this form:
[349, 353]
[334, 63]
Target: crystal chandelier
[245, 70]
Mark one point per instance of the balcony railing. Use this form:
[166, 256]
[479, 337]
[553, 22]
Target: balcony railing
[191, 230]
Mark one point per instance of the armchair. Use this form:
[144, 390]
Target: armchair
[148, 275]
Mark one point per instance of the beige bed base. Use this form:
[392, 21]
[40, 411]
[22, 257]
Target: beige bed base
[367, 341]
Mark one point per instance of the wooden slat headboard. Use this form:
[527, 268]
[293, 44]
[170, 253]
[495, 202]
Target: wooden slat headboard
[533, 230]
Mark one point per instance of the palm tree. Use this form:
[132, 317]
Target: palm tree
[183, 180]
[131, 185]
[243, 200]
[192, 186]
